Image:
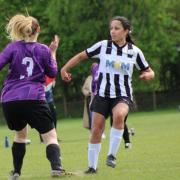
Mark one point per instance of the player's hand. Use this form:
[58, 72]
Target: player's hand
[66, 76]
[146, 76]
[54, 44]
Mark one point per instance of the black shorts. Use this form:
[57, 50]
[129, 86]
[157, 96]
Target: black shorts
[35, 113]
[105, 105]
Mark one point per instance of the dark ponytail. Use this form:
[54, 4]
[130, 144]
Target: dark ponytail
[129, 38]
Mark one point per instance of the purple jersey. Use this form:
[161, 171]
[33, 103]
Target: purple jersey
[29, 62]
[94, 72]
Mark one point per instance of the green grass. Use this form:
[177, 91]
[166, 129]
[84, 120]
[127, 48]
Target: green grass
[155, 154]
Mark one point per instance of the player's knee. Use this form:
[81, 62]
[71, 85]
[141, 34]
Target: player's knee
[119, 116]
[50, 137]
[97, 132]
[20, 136]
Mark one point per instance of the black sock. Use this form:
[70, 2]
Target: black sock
[18, 152]
[126, 134]
[53, 155]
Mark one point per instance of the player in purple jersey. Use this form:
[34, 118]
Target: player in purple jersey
[23, 96]
[117, 58]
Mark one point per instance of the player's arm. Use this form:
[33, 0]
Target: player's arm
[6, 55]
[65, 75]
[54, 45]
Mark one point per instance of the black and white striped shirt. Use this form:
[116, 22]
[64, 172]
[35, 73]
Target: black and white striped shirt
[116, 67]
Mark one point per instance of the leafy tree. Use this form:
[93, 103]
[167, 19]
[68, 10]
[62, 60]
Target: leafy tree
[82, 23]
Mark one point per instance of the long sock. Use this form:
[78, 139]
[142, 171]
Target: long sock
[53, 155]
[115, 140]
[93, 154]
[126, 134]
[18, 152]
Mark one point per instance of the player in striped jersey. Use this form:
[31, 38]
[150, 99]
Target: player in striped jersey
[118, 57]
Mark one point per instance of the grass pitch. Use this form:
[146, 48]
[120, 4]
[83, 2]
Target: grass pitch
[155, 152]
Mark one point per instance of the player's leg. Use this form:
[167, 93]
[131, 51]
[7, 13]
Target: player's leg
[13, 113]
[42, 121]
[19, 149]
[53, 151]
[119, 111]
[100, 111]
[126, 135]
[94, 145]
[28, 141]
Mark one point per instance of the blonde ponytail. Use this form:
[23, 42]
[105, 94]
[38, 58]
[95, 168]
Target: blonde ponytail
[21, 27]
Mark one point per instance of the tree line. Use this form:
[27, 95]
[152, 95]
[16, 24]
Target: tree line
[81, 23]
